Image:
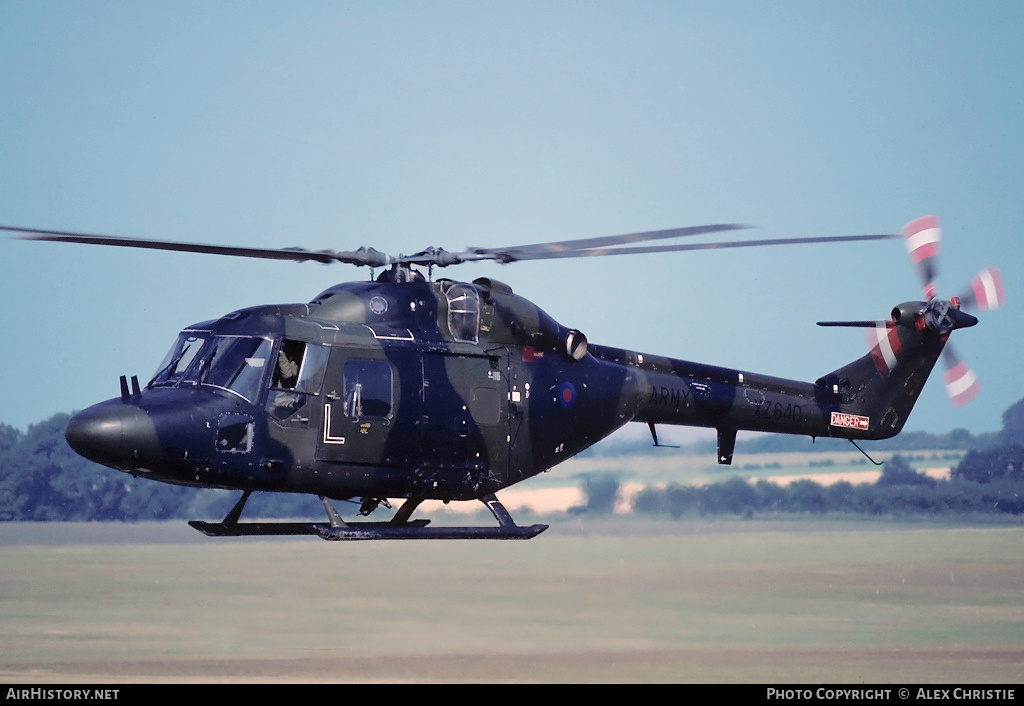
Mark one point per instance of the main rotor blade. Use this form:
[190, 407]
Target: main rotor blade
[598, 252]
[583, 247]
[362, 256]
[609, 240]
[579, 247]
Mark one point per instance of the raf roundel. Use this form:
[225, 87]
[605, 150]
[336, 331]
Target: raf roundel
[567, 395]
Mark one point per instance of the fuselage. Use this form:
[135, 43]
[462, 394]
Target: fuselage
[404, 387]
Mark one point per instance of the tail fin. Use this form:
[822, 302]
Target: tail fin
[879, 390]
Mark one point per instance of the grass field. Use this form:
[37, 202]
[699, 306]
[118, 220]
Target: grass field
[615, 601]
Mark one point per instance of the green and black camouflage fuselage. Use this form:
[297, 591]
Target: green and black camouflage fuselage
[446, 390]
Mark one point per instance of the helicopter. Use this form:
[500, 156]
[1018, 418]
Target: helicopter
[409, 387]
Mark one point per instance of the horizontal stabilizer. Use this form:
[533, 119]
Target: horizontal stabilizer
[856, 324]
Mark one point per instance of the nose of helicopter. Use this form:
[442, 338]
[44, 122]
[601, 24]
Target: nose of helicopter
[112, 434]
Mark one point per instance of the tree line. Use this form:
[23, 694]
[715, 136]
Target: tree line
[41, 478]
[899, 491]
[985, 482]
[988, 480]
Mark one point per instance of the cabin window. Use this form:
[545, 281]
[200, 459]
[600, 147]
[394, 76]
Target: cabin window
[463, 311]
[368, 388]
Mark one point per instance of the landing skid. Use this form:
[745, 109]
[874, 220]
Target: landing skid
[399, 527]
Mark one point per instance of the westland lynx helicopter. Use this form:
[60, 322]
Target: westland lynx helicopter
[409, 387]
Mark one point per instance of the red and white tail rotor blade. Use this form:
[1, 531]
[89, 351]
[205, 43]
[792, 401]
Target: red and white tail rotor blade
[962, 384]
[923, 237]
[986, 291]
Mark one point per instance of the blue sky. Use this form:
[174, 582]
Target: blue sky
[401, 125]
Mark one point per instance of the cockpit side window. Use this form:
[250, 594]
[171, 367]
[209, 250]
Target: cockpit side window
[311, 374]
[289, 358]
[298, 374]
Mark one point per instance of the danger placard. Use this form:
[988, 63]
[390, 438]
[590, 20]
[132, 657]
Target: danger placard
[850, 421]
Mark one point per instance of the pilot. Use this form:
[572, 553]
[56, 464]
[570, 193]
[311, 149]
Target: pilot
[286, 376]
[287, 371]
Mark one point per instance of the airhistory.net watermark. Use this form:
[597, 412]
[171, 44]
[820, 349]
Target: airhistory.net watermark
[41, 694]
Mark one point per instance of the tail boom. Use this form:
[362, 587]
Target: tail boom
[870, 398]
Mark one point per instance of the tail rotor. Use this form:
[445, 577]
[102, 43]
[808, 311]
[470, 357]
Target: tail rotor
[985, 293]
[923, 238]
[962, 384]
